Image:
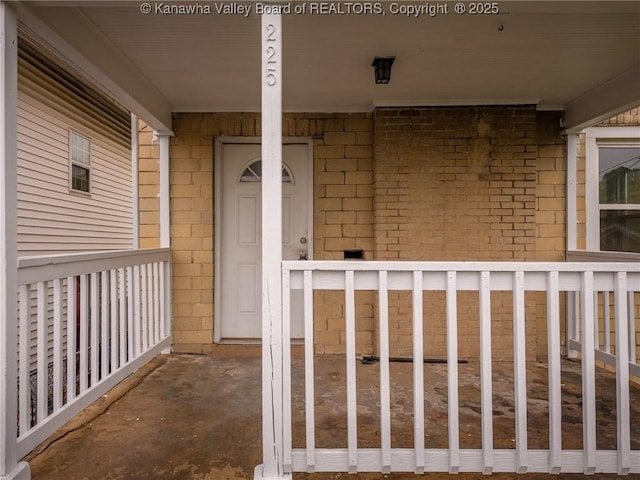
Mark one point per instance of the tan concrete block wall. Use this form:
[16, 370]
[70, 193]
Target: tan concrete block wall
[343, 217]
[626, 119]
[446, 184]
[461, 184]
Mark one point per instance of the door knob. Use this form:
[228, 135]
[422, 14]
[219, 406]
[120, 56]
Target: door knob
[302, 255]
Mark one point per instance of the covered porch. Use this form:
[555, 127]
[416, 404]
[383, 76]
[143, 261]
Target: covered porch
[198, 417]
[487, 408]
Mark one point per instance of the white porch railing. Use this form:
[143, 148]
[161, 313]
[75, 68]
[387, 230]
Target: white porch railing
[585, 279]
[604, 326]
[86, 321]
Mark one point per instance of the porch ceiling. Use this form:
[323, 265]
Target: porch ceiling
[580, 56]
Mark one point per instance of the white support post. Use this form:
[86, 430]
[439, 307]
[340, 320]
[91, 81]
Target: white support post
[165, 224]
[573, 142]
[273, 453]
[10, 467]
[165, 217]
[135, 200]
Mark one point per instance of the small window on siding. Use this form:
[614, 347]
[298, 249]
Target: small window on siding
[80, 158]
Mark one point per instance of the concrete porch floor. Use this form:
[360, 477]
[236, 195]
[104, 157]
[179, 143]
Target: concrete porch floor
[197, 417]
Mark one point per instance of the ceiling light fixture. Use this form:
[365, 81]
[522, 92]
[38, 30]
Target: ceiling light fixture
[382, 66]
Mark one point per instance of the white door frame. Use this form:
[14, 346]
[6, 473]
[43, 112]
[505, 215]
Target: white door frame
[219, 142]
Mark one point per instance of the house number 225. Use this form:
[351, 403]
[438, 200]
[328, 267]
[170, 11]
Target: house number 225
[271, 52]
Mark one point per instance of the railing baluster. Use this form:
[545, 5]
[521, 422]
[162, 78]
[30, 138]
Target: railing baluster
[622, 375]
[104, 324]
[135, 300]
[606, 305]
[113, 305]
[309, 374]
[72, 336]
[352, 409]
[24, 401]
[520, 372]
[42, 351]
[588, 375]
[486, 373]
[596, 323]
[452, 373]
[57, 344]
[161, 301]
[573, 323]
[129, 324]
[555, 379]
[385, 381]
[418, 373]
[631, 310]
[156, 303]
[122, 315]
[94, 349]
[150, 310]
[144, 314]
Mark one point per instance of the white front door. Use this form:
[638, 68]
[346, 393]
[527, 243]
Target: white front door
[239, 290]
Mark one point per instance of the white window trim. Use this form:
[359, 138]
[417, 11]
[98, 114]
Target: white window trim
[81, 165]
[596, 137]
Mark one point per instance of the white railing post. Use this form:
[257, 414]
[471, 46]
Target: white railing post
[273, 454]
[622, 376]
[350, 340]
[418, 372]
[588, 375]
[385, 379]
[555, 375]
[452, 372]
[10, 467]
[520, 372]
[309, 378]
[486, 372]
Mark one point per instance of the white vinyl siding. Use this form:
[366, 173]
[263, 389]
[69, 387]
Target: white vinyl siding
[51, 217]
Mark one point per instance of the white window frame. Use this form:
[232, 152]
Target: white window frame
[73, 162]
[597, 137]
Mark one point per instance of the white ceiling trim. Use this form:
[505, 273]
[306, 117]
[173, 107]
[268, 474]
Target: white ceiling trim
[605, 101]
[382, 104]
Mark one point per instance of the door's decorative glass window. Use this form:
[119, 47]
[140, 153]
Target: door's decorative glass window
[253, 173]
[619, 198]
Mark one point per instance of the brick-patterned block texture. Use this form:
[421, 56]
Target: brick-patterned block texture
[437, 183]
[343, 213]
[463, 183]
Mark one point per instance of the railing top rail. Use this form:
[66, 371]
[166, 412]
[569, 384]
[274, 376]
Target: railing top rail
[48, 267]
[409, 266]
